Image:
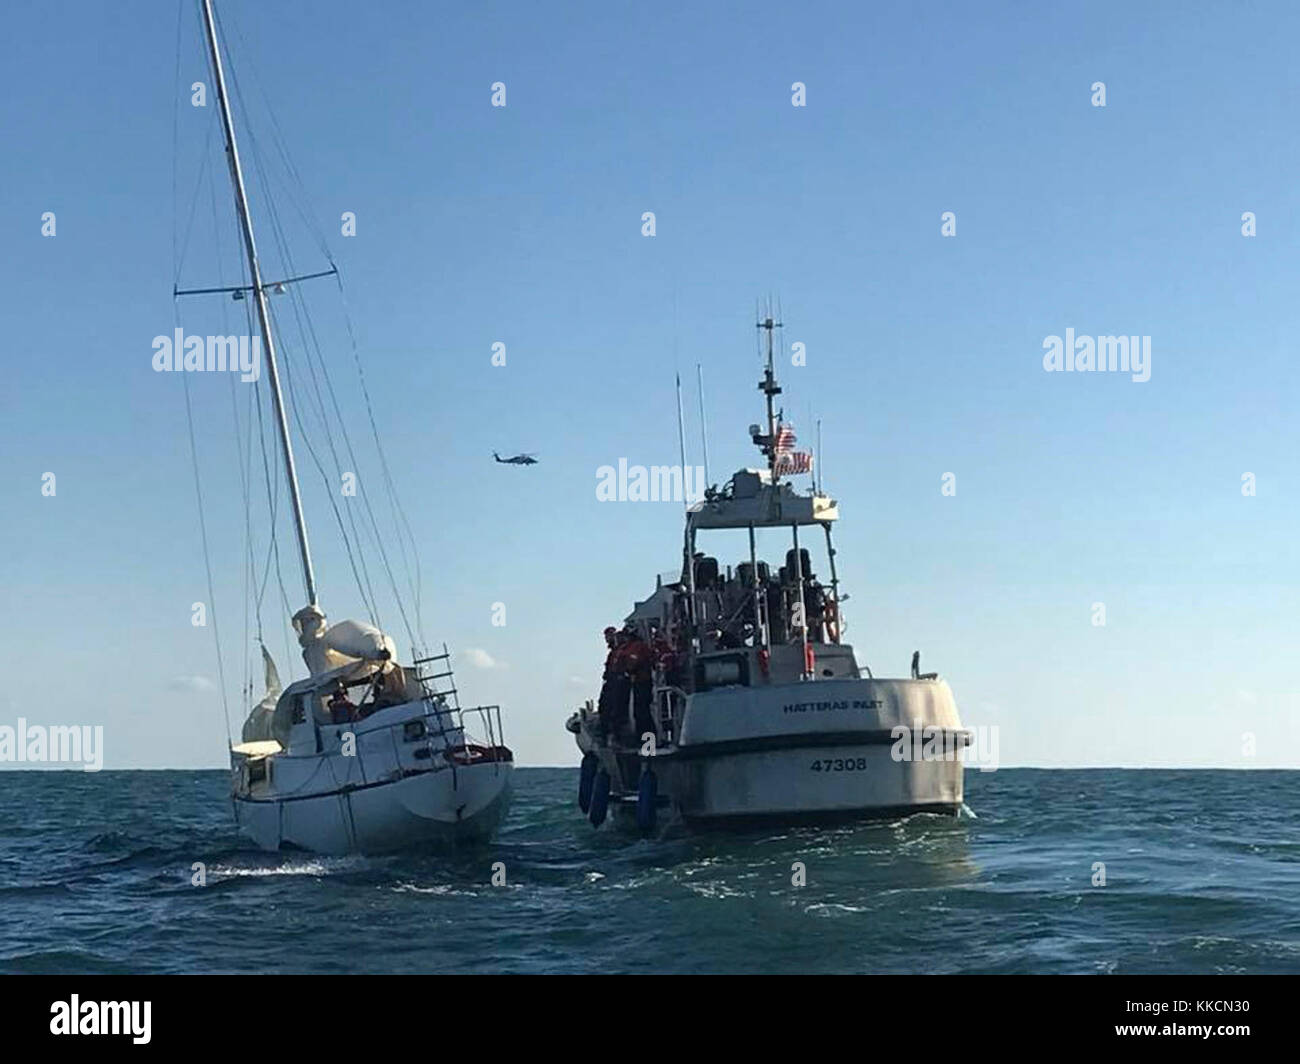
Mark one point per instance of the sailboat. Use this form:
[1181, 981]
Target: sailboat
[363, 755]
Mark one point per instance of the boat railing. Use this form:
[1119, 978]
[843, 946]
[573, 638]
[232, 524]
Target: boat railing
[432, 682]
[489, 716]
[440, 690]
[670, 701]
[444, 741]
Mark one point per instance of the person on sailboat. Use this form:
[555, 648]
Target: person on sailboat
[341, 710]
[389, 689]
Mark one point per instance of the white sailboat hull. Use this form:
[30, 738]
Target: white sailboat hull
[429, 810]
[404, 778]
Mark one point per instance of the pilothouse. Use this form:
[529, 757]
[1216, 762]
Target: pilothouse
[730, 694]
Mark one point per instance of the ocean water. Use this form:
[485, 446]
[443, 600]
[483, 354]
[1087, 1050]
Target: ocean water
[1202, 875]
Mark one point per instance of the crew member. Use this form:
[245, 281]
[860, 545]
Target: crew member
[815, 601]
[605, 705]
[341, 709]
[661, 652]
[638, 660]
[388, 688]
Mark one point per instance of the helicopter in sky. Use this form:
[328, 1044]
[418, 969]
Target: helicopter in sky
[518, 459]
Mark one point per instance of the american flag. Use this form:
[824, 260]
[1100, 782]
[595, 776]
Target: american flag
[785, 438]
[789, 463]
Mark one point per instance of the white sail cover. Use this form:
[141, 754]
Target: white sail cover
[325, 649]
[357, 641]
[258, 725]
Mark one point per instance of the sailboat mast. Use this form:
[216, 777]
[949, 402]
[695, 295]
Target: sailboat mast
[259, 295]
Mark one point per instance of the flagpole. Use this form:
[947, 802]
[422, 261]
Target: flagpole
[817, 462]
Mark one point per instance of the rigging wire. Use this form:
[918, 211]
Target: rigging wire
[176, 138]
[248, 566]
[363, 578]
[310, 397]
[301, 204]
[261, 171]
[312, 348]
[393, 497]
[203, 535]
[219, 259]
[189, 406]
[317, 370]
[271, 476]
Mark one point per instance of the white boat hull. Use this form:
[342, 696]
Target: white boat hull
[426, 810]
[404, 778]
[808, 784]
[805, 752]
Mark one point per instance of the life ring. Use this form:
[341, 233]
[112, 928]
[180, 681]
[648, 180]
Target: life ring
[474, 754]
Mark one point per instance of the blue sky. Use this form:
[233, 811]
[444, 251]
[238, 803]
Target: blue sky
[522, 225]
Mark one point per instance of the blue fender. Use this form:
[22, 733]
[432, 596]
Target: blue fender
[599, 798]
[647, 792]
[586, 777]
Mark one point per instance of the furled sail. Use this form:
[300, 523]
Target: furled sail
[258, 725]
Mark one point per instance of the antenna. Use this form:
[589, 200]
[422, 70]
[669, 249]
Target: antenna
[817, 462]
[704, 428]
[770, 389]
[681, 439]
